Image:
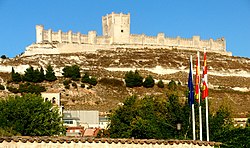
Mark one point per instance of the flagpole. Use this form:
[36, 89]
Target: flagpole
[200, 114]
[192, 107]
[206, 99]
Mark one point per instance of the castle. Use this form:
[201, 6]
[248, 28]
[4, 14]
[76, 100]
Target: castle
[116, 34]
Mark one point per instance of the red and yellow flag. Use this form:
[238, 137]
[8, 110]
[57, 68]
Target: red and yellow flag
[204, 78]
[197, 78]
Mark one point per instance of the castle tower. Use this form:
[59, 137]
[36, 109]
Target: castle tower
[39, 33]
[116, 26]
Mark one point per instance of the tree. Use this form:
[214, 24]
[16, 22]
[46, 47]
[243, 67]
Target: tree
[42, 76]
[29, 115]
[3, 57]
[148, 118]
[149, 82]
[86, 79]
[72, 72]
[29, 74]
[133, 79]
[160, 84]
[172, 85]
[50, 74]
[15, 76]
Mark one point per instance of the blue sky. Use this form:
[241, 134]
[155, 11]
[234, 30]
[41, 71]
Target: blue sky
[184, 18]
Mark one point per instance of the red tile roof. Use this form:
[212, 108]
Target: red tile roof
[46, 139]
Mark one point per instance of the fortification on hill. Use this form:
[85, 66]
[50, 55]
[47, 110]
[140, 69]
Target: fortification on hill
[116, 34]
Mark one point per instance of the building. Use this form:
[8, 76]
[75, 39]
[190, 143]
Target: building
[87, 119]
[116, 35]
[54, 98]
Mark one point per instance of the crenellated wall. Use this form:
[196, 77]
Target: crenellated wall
[116, 33]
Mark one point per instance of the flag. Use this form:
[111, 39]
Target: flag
[190, 87]
[204, 78]
[197, 79]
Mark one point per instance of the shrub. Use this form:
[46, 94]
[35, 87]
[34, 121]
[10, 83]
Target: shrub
[67, 86]
[149, 82]
[89, 87]
[2, 87]
[74, 85]
[160, 84]
[92, 81]
[85, 78]
[82, 85]
[13, 89]
[66, 82]
[172, 85]
[31, 88]
[3, 57]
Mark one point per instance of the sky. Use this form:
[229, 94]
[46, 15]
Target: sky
[185, 18]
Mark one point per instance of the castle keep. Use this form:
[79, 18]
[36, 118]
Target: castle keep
[116, 34]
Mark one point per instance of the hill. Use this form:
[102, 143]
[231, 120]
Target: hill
[228, 76]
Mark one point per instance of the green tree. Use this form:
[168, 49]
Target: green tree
[42, 76]
[29, 74]
[15, 76]
[160, 84]
[72, 72]
[172, 85]
[29, 115]
[133, 79]
[149, 82]
[148, 118]
[50, 74]
[3, 57]
[85, 78]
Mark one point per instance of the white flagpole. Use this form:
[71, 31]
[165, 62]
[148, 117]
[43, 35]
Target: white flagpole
[193, 114]
[206, 99]
[200, 115]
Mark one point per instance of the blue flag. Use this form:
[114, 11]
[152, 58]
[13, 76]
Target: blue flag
[190, 87]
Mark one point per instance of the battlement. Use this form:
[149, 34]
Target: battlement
[116, 33]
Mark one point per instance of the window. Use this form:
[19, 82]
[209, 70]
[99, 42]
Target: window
[53, 100]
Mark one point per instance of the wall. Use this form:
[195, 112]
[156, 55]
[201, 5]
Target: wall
[116, 33]
[45, 142]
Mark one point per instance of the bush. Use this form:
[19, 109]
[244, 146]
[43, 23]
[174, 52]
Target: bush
[160, 84]
[67, 86]
[87, 79]
[31, 88]
[92, 81]
[149, 82]
[13, 89]
[66, 82]
[172, 85]
[2, 87]
[89, 87]
[3, 57]
[74, 85]
[82, 85]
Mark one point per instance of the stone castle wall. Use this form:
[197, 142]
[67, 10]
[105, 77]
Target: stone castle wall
[116, 33]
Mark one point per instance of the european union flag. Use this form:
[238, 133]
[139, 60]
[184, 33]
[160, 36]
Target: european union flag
[190, 87]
